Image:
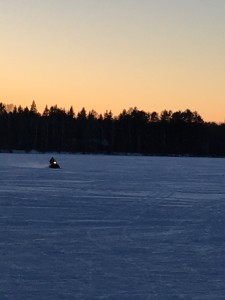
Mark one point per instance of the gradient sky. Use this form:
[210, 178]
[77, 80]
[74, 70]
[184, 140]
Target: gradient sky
[114, 54]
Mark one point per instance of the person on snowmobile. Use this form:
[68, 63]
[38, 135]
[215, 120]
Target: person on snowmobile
[53, 163]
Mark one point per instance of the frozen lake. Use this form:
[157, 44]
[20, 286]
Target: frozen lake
[111, 227]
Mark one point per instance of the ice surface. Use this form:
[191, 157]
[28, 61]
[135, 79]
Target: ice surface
[111, 227]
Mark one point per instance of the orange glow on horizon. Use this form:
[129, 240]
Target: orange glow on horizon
[113, 55]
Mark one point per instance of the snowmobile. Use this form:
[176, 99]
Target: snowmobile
[53, 164]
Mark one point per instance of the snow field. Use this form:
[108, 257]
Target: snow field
[111, 227]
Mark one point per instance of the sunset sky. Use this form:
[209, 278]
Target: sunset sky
[114, 54]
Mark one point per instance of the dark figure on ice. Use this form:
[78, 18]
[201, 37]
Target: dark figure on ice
[53, 163]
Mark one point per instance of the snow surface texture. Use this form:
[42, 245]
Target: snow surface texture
[111, 227]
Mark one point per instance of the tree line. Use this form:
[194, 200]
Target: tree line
[132, 131]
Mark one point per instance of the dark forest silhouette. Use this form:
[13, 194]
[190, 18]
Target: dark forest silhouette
[132, 131]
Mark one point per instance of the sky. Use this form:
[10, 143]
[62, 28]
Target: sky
[114, 54]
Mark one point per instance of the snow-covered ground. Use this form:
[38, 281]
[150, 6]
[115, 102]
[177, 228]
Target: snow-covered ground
[111, 227]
